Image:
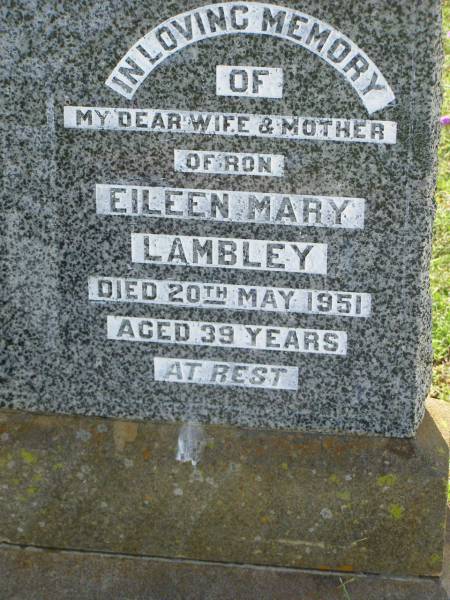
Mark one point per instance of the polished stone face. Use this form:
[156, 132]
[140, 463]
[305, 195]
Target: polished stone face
[227, 228]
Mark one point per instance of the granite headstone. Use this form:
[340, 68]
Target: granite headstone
[217, 234]
[221, 212]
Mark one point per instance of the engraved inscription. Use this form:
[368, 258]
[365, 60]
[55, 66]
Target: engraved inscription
[229, 163]
[233, 206]
[229, 18]
[208, 372]
[251, 82]
[229, 253]
[264, 206]
[231, 124]
[200, 294]
[226, 335]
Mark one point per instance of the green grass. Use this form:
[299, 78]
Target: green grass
[440, 266]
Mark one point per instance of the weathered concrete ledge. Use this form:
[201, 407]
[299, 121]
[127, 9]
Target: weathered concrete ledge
[327, 502]
[36, 574]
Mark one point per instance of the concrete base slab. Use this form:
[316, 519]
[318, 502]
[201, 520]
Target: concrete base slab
[35, 574]
[329, 502]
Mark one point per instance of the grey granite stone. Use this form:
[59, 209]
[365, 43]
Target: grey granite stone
[58, 358]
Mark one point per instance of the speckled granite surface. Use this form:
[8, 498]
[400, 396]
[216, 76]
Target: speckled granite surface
[58, 358]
